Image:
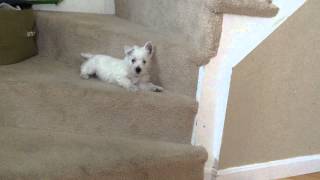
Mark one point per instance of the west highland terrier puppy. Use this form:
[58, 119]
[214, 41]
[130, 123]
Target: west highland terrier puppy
[132, 72]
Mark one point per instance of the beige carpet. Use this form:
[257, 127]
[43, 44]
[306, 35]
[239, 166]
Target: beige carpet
[55, 125]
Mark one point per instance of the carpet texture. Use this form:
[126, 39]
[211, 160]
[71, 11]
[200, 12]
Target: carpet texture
[38, 155]
[174, 65]
[199, 21]
[44, 93]
[55, 125]
[192, 19]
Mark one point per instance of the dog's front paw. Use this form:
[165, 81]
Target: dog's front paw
[84, 76]
[157, 89]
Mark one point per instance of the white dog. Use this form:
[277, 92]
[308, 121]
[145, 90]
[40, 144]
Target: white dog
[131, 73]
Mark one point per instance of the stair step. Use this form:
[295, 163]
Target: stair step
[46, 94]
[55, 125]
[64, 36]
[36, 154]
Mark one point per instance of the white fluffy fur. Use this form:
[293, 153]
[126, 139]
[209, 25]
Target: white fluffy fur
[132, 72]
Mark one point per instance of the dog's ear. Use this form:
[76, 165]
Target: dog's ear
[148, 46]
[128, 50]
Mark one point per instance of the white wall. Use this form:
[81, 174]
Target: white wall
[88, 6]
[241, 34]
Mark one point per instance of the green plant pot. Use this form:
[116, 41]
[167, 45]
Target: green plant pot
[17, 36]
[44, 1]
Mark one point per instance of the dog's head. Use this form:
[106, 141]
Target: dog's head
[139, 58]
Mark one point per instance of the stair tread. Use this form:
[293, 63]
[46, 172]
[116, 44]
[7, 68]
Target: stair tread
[47, 69]
[38, 154]
[44, 93]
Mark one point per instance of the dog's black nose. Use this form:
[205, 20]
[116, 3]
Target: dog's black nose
[138, 70]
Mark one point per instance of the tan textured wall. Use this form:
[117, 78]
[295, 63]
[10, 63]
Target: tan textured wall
[274, 104]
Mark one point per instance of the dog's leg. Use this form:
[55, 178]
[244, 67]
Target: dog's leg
[126, 83]
[150, 87]
[87, 69]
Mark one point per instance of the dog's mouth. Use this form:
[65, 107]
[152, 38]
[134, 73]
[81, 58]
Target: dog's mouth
[135, 74]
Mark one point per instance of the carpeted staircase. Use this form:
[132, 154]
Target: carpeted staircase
[55, 125]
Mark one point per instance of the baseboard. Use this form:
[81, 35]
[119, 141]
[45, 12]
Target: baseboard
[273, 169]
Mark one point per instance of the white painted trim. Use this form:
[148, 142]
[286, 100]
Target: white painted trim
[273, 169]
[210, 173]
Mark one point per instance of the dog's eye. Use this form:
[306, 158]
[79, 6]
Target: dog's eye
[133, 60]
[144, 61]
